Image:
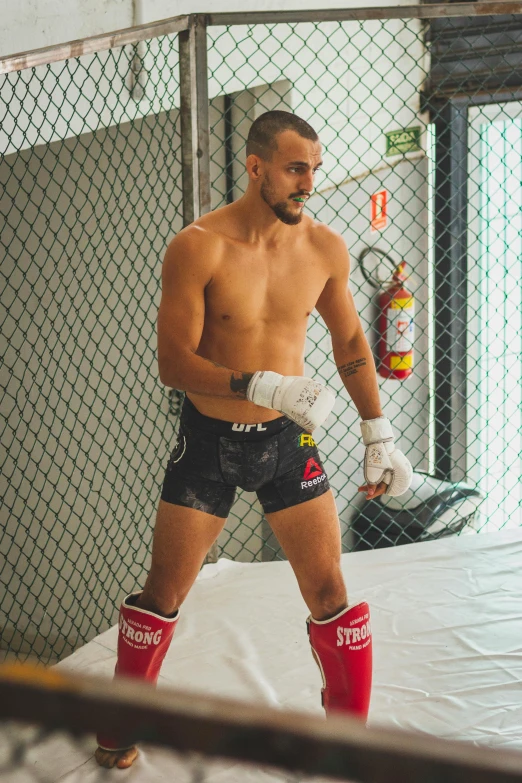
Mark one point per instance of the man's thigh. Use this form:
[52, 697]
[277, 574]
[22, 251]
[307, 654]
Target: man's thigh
[310, 536]
[182, 538]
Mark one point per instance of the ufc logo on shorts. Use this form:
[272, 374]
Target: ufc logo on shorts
[247, 427]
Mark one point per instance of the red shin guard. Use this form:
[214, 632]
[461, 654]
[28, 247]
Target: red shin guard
[143, 640]
[342, 647]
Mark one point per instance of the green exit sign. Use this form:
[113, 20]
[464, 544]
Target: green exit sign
[400, 141]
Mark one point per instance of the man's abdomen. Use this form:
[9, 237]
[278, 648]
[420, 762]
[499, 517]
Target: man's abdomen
[249, 352]
[231, 410]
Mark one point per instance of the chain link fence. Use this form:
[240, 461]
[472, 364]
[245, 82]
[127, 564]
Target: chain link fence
[90, 196]
[105, 156]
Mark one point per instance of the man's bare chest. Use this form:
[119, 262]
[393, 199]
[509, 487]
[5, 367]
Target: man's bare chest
[285, 289]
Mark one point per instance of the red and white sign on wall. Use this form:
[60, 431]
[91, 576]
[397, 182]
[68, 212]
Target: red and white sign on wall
[379, 211]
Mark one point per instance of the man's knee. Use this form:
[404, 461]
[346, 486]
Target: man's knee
[327, 597]
[164, 607]
[162, 599]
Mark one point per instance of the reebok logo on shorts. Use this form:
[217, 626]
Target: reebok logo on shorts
[312, 469]
[313, 474]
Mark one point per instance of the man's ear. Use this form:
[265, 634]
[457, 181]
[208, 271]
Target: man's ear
[254, 165]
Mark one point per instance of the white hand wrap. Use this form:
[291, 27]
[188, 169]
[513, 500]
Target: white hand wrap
[382, 461]
[305, 401]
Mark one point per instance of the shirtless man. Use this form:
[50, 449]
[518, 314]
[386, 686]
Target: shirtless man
[238, 287]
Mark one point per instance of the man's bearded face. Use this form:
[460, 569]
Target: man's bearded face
[288, 211]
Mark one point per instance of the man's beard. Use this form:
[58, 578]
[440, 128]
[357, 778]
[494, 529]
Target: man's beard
[280, 208]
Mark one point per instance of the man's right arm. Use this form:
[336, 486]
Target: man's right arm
[188, 267]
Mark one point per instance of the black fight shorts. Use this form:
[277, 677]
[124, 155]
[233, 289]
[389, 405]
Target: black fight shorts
[278, 460]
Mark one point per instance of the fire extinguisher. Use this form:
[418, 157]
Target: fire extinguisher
[396, 328]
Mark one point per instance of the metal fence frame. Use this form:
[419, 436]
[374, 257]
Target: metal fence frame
[192, 30]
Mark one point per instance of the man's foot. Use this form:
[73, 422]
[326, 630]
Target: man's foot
[116, 758]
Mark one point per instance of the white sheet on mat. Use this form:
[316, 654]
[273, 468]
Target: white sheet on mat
[447, 631]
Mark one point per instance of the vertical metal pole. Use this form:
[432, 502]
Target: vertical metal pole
[229, 152]
[451, 181]
[195, 133]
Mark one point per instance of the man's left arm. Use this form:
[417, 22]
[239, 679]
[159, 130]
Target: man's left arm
[356, 365]
[352, 353]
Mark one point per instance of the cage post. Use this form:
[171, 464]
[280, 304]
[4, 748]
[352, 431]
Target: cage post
[195, 132]
[451, 180]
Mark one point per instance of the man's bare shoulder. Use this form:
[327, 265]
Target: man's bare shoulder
[331, 245]
[197, 246]
[213, 221]
[205, 232]
[193, 238]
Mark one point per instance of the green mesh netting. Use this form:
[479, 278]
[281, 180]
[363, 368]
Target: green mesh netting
[428, 113]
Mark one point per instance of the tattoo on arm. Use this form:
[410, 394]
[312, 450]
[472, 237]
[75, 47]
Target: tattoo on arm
[239, 383]
[351, 368]
[238, 380]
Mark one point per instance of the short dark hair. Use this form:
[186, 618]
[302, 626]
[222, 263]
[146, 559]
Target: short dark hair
[262, 137]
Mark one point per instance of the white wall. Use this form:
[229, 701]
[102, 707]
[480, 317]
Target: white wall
[158, 9]
[32, 24]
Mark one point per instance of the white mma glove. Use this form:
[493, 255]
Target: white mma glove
[305, 401]
[382, 461]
